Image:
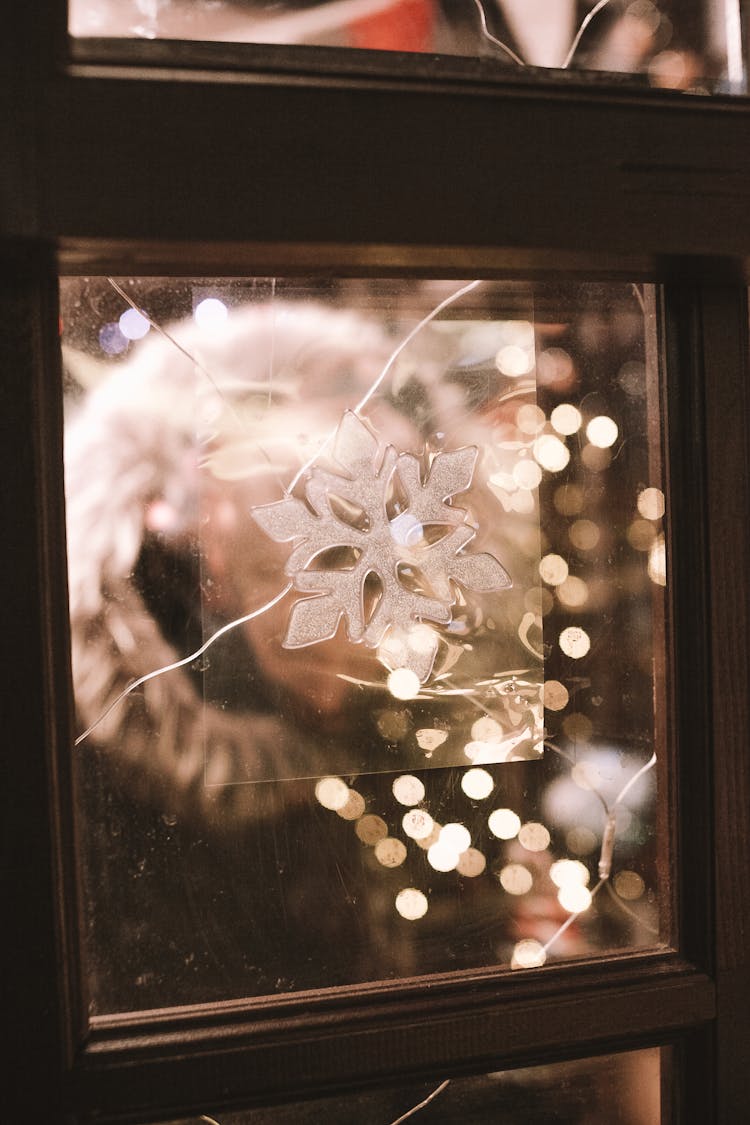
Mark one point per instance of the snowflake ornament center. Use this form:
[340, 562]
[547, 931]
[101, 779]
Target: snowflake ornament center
[386, 575]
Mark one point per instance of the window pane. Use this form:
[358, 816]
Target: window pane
[367, 609]
[686, 46]
[621, 1089]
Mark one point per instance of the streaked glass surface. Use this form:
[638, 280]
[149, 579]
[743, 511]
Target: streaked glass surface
[258, 819]
[671, 44]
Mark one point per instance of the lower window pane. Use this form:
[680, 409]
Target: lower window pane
[621, 1089]
[367, 609]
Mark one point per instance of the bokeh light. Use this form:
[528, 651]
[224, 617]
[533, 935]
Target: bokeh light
[657, 562]
[566, 419]
[602, 431]
[514, 361]
[534, 836]
[354, 807]
[332, 793]
[575, 642]
[455, 836]
[528, 954]
[111, 339]
[641, 535]
[210, 313]
[580, 840]
[530, 419]
[555, 696]
[477, 784]
[551, 453]
[584, 534]
[403, 683]
[629, 885]
[390, 852]
[370, 829]
[516, 879]
[574, 897]
[553, 569]
[566, 871]
[554, 368]
[133, 324]
[527, 474]
[411, 904]
[471, 863]
[417, 824]
[579, 728]
[568, 499]
[442, 857]
[651, 504]
[408, 790]
[573, 592]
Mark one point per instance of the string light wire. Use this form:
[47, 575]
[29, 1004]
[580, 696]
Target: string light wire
[586, 21]
[517, 58]
[185, 660]
[493, 39]
[421, 1105]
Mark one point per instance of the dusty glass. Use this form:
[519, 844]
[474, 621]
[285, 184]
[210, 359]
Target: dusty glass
[619, 1089]
[666, 43]
[367, 611]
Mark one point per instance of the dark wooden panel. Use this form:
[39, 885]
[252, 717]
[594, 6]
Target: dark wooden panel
[726, 361]
[498, 167]
[126, 1073]
[38, 973]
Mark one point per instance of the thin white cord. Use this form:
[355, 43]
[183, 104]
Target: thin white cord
[186, 660]
[497, 42]
[167, 336]
[383, 374]
[629, 785]
[569, 921]
[426, 1101]
[574, 46]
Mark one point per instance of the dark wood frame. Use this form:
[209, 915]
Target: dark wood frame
[313, 162]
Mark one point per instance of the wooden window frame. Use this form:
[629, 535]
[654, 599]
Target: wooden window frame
[309, 162]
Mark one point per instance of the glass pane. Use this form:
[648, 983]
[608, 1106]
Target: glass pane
[367, 610]
[695, 45]
[621, 1089]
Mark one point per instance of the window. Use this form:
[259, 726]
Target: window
[578, 253]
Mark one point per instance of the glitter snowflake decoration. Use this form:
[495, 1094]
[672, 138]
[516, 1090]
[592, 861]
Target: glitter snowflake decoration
[385, 574]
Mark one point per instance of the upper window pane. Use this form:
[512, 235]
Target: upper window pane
[367, 612]
[695, 45]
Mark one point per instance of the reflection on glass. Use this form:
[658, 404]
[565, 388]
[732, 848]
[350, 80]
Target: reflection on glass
[669, 43]
[262, 817]
[621, 1089]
